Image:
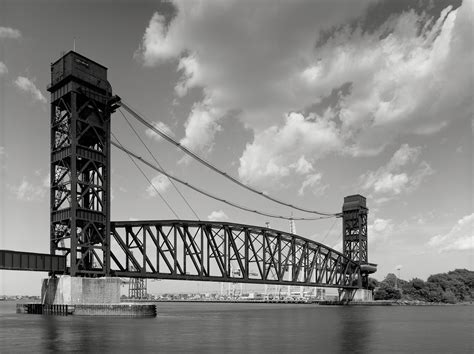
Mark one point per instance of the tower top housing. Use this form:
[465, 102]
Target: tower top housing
[74, 66]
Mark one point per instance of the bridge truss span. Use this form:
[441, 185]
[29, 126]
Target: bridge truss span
[226, 252]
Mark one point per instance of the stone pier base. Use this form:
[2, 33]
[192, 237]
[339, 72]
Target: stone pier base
[360, 295]
[363, 295]
[67, 290]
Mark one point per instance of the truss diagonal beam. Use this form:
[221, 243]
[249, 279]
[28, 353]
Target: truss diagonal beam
[226, 252]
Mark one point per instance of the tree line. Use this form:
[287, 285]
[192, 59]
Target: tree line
[451, 287]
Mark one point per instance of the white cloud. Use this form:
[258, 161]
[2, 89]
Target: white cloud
[379, 230]
[201, 128]
[26, 85]
[3, 69]
[302, 166]
[405, 77]
[157, 46]
[161, 183]
[222, 49]
[389, 180]
[275, 150]
[7, 32]
[217, 215]
[160, 126]
[313, 182]
[28, 191]
[413, 80]
[459, 238]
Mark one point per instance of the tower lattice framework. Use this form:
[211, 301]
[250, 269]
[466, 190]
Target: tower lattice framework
[354, 232]
[81, 101]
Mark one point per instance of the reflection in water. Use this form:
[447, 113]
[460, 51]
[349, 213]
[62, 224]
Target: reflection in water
[356, 330]
[253, 328]
[50, 333]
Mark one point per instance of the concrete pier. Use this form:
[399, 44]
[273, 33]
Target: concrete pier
[67, 290]
[86, 297]
[360, 295]
[363, 295]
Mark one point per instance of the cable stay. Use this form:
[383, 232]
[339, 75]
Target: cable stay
[149, 181]
[214, 168]
[159, 165]
[327, 234]
[207, 194]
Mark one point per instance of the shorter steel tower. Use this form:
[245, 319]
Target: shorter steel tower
[354, 233]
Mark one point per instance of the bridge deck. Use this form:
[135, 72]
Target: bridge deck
[41, 262]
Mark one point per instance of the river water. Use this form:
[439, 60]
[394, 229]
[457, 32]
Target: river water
[247, 328]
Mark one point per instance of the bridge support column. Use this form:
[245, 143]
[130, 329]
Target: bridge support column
[356, 295]
[67, 290]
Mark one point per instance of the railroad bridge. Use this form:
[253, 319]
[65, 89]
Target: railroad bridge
[85, 243]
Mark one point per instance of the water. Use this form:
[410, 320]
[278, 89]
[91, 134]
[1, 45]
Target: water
[242, 328]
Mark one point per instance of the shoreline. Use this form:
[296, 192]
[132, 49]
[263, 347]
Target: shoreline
[320, 303]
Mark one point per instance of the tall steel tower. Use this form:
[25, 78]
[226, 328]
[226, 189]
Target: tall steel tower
[81, 104]
[354, 232]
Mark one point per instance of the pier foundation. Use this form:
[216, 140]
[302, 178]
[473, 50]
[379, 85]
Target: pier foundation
[359, 295]
[67, 290]
[79, 296]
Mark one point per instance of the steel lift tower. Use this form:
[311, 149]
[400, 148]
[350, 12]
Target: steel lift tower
[354, 235]
[81, 104]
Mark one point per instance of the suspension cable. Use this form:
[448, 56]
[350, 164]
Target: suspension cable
[214, 168]
[146, 177]
[327, 234]
[207, 194]
[159, 165]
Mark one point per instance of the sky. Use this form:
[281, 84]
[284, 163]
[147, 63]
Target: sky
[308, 101]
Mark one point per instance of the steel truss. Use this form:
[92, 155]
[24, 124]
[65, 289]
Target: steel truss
[225, 252]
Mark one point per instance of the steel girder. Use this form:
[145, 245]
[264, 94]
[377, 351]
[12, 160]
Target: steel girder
[225, 252]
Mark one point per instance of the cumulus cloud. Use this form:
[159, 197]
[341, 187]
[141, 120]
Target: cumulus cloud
[156, 46]
[160, 182]
[160, 126]
[7, 32]
[27, 85]
[30, 191]
[379, 230]
[3, 69]
[391, 179]
[217, 215]
[277, 150]
[239, 66]
[313, 183]
[459, 238]
[201, 128]
[401, 75]
[410, 75]
[302, 166]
